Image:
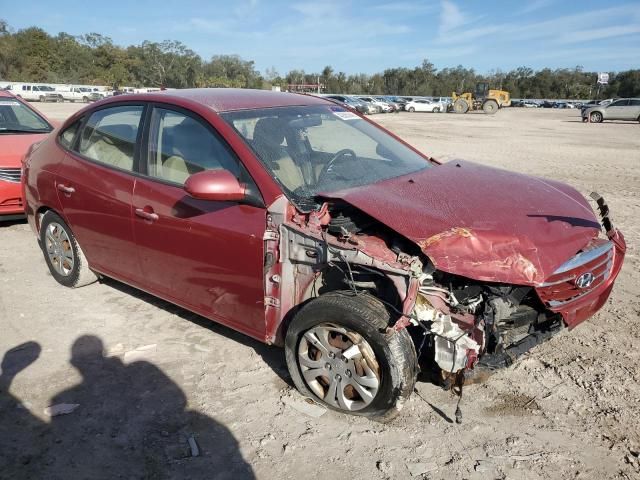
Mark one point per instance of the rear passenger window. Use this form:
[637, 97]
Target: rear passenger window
[109, 136]
[634, 102]
[180, 146]
[67, 136]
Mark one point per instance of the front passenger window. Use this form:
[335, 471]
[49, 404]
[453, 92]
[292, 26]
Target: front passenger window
[180, 145]
[109, 137]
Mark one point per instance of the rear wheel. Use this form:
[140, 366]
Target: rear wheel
[595, 117]
[490, 107]
[460, 106]
[339, 353]
[63, 255]
[436, 110]
[411, 109]
[41, 98]
[85, 99]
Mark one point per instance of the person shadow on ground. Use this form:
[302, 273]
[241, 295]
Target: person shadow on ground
[22, 434]
[132, 421]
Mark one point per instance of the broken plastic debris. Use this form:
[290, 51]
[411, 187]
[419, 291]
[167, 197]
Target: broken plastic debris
[60, 409]
[195, 451]
[140, 353]
[312, 409]
[418, 469]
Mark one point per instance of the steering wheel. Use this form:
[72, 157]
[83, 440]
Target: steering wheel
[334, 159]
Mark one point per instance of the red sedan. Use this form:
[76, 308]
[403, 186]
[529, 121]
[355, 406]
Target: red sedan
[303, 224]
[21, 126]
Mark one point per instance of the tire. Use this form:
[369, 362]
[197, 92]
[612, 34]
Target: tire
[436, 110]
[460, 106]
[85, 99]
[595, 117]
[490, 107]
[352, 319]
[411, 109]
[57, 240]
[41, 99]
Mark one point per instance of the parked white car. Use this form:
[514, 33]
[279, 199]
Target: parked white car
[424, 105]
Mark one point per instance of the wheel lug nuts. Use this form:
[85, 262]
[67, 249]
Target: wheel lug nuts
[338, 377]
[348, 373]
[327, 366]
[332, 355]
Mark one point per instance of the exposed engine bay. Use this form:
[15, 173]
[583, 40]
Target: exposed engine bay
[461, 326]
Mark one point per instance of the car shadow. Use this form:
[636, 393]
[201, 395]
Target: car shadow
[120, 421]
[272, 356]
[6, 223]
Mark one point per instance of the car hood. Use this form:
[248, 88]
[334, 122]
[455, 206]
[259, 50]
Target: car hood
[480, 222]
[13, 147]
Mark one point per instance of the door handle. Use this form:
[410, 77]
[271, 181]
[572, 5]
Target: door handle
[142, 213]
[66, 190]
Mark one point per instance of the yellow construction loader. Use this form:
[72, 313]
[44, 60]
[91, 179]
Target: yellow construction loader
[483, 98]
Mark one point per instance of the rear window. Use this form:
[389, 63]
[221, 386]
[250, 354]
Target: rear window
[110, 134]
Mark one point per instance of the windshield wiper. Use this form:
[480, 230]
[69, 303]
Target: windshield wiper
[21, 130]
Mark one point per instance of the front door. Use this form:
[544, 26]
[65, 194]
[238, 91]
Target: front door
[95, 186]
[204, 255]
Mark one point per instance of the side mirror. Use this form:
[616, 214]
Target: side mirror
[219, 185]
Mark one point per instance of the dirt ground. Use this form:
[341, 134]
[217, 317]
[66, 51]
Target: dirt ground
[146, 376]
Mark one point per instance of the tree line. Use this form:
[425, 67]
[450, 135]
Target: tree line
[33, 55]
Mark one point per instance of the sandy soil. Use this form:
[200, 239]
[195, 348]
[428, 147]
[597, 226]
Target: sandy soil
[568, 410]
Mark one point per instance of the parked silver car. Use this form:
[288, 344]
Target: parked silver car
[621, 109]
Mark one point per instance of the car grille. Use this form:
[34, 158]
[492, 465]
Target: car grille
[10, 174]
[561, 288]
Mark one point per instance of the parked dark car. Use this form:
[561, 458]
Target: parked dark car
[351, 103]
[303, 224]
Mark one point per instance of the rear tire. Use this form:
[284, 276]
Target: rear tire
[436, 110]
[41, 99]
[595, 117]
[490, 107]
[384, 365]
[460, 106]
[64, 257]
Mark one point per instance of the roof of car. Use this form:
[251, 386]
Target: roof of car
[227, 99]
[5, 93]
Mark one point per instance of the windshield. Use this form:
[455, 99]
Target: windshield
[322, 149]
[17, 117]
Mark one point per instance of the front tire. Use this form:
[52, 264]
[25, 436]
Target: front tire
[412, 110]
[436, 110]
[64, 257]
[460, 106]
[595, 117]
[339, 353]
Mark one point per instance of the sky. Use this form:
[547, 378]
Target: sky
[359, 36]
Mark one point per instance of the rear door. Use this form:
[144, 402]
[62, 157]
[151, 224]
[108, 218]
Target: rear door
[95, 186]
[204, 255]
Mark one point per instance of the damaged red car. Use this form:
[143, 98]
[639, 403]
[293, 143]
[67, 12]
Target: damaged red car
[305, 225]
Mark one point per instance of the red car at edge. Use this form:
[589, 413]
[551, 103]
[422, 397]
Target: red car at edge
[21, 125]
[301, 223]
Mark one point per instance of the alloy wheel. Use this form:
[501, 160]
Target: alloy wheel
[339, 366]
[59, 249]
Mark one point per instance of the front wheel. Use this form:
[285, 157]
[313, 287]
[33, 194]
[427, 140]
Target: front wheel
[339, 353]
[41, 98]
[595, 117]
[436, 110]
[411, 109]
[64, 257]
